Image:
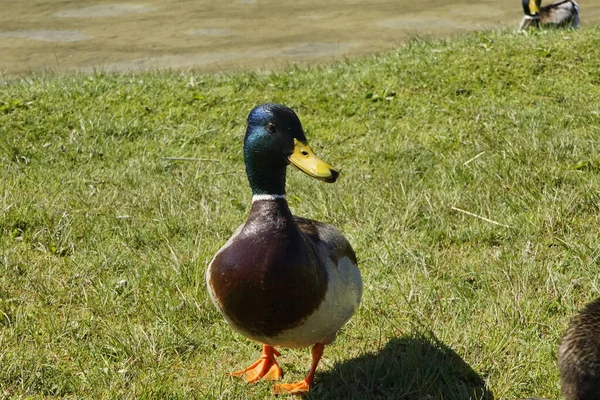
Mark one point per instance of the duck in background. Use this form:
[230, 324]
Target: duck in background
[579, 355]
[561, 14]
[282, 280]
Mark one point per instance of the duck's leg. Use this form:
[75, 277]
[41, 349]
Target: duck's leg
[305, 385]
[266, 368]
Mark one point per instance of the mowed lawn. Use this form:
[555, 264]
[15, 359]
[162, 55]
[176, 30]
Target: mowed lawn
[105, 240]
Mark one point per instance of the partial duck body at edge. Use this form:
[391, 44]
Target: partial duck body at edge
[562, 14]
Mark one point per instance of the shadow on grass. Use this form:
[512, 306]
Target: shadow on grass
[418, 367]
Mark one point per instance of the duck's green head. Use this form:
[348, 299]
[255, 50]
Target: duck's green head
[275, 138]
[531, 8]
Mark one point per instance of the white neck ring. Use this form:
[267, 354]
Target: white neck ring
[259, 197]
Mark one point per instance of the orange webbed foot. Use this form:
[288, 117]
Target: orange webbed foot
[266, 368]
[305, 385]
[301, 387]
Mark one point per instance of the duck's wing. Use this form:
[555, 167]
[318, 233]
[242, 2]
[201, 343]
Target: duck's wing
[344, 285]
[561, 13]
[322, 234]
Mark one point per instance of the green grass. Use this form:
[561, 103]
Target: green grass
[104, 243]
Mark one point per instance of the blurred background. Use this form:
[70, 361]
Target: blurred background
[62, 35]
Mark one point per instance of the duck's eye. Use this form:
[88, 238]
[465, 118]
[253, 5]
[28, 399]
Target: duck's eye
[304, 153]
[271, 128]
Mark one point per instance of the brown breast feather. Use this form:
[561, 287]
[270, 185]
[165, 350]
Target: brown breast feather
[269, 279]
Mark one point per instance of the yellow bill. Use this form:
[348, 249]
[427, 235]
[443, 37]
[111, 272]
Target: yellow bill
[304, 158]
[534, 7]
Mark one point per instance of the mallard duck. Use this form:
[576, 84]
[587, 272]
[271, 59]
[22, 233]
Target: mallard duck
[282, 280]
[579, 355]
[561, 14]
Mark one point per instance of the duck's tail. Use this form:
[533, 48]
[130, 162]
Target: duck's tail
[575, 23]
